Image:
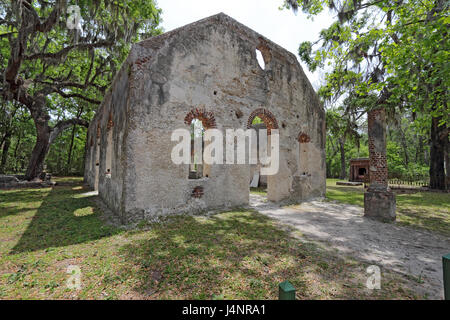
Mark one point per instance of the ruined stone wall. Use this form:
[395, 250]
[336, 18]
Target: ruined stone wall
[114, 128]
[214, 67]
[209, 70]
[91, 151]
[109, 141]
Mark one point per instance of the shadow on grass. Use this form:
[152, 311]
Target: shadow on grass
[66, 216]
[426, 220]
[427, 210]
[234, 255]
[259, 190]
[16, 201]
[437, 199]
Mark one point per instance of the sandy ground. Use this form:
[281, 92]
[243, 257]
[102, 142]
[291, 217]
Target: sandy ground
[402, 249]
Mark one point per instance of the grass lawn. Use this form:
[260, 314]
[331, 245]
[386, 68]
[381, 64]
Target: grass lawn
[67, 180]
[260, 191]
[231, 255]
[426, 210]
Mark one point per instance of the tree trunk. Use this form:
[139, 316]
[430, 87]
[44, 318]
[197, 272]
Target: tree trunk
[45, 137]
[6, 145]
[74, 128]
[16, 160]
[69, 157]
[437, 150]
[404, 146]
[342, 151]
[40, 150]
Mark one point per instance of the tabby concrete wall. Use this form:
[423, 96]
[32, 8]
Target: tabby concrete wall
[114, 125]
[210, 65]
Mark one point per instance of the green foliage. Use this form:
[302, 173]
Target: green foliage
[396, 51]
[407, 148]
[57, 161]
[257, 120]
[16, 126]
[342, 136]
[387, 54]
[64, 72]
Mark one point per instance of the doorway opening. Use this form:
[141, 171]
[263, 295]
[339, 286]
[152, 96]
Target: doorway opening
[261, 186]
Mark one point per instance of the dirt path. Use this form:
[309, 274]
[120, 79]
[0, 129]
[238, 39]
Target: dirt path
[342, 226]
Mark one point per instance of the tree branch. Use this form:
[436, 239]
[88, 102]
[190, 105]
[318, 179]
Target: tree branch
[7, 34]
[66, 50]
[62, 125]
[76, 95]
[52, 19]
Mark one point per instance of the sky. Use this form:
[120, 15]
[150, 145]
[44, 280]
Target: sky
[281, 26]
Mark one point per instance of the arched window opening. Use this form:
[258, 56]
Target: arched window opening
[109, 147]
[260, 119]
[199, 120]
[263, 54]
[260, 59]
[97, 149]
[197, 143]
[97, 156]
[263, 116]
[91, 154]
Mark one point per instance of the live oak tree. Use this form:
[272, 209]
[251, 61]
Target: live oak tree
[47, 62]
[395, 50]
[341, 127]
[420, 77]
[8, 123]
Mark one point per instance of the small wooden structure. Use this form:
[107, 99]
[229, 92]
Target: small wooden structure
[359, 170]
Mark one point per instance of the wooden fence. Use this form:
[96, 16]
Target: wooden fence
[410, 181]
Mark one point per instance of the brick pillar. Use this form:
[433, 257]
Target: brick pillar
[377, 149]
[379, 200]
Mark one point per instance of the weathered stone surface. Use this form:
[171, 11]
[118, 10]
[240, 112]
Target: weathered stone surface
[209, 70]
[380, 205]
[8, 179]
[17, 181]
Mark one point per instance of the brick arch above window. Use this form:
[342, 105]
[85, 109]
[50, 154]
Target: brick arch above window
[303, 138]
[266, 116]
[206, 117]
